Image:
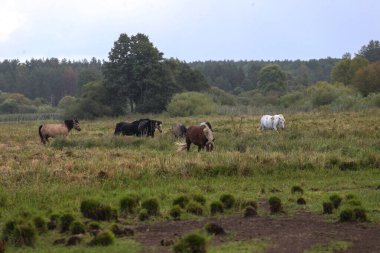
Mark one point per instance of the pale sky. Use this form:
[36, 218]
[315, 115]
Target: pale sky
[189, 30]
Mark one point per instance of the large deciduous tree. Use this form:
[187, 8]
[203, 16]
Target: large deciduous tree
[367, 79]
[345, 69]
[272, 78]
[136, 75]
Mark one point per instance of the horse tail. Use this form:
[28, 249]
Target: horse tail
[40, 133]
[181, 146]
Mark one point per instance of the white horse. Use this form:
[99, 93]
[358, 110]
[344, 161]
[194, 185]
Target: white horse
[272, 122]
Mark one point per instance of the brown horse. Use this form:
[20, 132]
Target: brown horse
[201, 136]
[53, 130]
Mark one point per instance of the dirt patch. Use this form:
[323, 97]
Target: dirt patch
[285, 234]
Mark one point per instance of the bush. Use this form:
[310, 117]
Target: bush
[250, 212]
[95, 210]
[129, 203]
[66, 221]
[199, 198]
[328, 208]
[175, 212]
[275, 205]
[181, 201]
[194, 208]
[143, 215]
[103, 239]
[301, 201]
[228, 201]
[40, 224]
[78, 228]
[53, 223]
[192, 243]
[335, 200]
[191, 103]
[19, 234]
[346, 215]
[297, 189]
[94, 225]
[216, 207]
[152, 206]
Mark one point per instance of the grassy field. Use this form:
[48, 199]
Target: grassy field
[323, 153]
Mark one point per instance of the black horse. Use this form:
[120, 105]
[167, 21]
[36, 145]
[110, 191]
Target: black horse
[141, 127]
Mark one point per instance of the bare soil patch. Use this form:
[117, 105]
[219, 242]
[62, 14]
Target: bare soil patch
[285, 234]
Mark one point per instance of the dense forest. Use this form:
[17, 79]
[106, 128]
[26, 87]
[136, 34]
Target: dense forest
[136, 78]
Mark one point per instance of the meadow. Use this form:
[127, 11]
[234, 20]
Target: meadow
[323, 153]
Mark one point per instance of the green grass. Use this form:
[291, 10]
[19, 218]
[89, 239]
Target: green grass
[255, 246]
[325, 154]
[330, 247]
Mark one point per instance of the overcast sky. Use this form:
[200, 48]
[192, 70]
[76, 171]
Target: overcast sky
[189, 30]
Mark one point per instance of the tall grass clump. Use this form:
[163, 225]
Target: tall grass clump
[152, 206]
[191, 243]
[95, 210]
[129, 204]
[19, 233]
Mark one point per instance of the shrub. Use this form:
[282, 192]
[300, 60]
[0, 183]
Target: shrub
[94, 225]
[335, 200]
[199, 198]
[78, 228]
[328, 208]
[250, 212]
[175, 212]
[40, 224]
[247, 203]
[301, 201]
[95, 210]
[297, 189]
[275, 205]
[66, 221]
[346, 215]
[181, 201]
[19, 234]
[360, 214]
[214, 229]
[129, 203]
[143, 215]
[193, 243]
[53, 223]
[216, 207]
[191, 103]
[228, 200]
[152, 206]
[194, 208]
[103, 239]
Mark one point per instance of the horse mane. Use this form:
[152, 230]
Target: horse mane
[69, 124]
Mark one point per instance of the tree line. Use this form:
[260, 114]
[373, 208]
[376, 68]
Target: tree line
[136, 78]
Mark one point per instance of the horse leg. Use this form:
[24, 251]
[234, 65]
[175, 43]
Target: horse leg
[199, 148]
[188, 143]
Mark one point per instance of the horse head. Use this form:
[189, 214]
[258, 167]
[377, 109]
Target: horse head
[76, 124]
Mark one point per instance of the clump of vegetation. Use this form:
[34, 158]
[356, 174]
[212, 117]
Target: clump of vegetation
[216, 207]
[346, 215]
[335, 200]
[247, 203]
[95, 210]
[297, 189]
[194, 208]
[181, 201]
[152, 207]
[40, 224]
[301, 201]
[199, 198]
[194, 243]
[66, 221]
[19, 234]
[214, 229]
[328, 207]
[94, 225]
[129, 204]
[78, 228]
[228, 201]
[143, 215]
[175, 212]
[250, 212]
[360, 214]
[103, 239]
[53, 223]
[275, 204]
